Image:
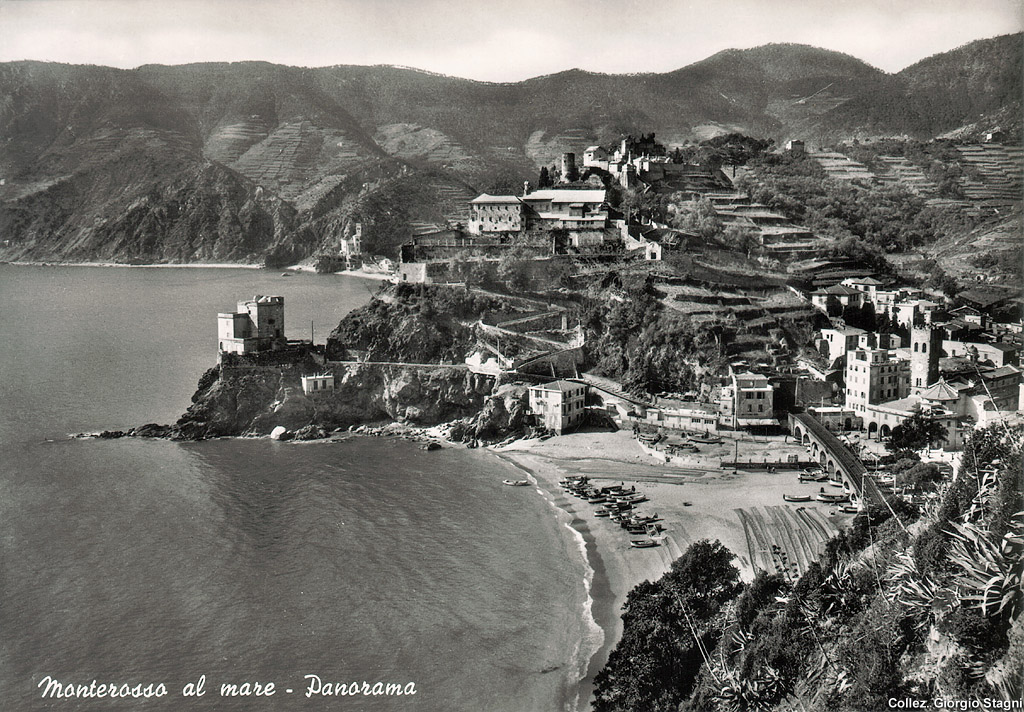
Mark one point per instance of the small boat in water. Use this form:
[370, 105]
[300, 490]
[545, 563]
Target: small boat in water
[797, 497]
[515, 483]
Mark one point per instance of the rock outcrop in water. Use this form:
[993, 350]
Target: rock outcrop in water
[410, 344]
[255, 400]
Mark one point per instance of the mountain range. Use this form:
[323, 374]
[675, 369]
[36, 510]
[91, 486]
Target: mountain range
[248, 161]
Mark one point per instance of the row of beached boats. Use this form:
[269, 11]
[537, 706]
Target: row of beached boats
[617, 503]
[842, 499]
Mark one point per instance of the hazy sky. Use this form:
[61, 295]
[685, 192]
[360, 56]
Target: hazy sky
[494, 41]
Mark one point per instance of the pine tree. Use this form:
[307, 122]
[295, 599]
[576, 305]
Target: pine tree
[544, 180]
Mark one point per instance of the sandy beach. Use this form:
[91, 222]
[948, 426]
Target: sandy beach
[696, 499]
[309, 268]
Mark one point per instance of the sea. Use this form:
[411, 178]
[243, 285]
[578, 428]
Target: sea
[323, 567]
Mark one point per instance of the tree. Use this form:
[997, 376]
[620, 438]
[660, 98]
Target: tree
[944, 282]
[699, 218]
[505, 184]
[867, 319]
[740, 238]
[544, 180]
[666, 627]
[513, 270]
[916, 432]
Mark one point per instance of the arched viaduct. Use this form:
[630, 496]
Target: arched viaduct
[835, 458]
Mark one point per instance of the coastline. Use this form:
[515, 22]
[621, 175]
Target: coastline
[161, 265]
[734, 508]
[614, 572]
[376, 276]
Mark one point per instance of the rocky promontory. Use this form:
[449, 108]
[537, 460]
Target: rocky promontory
[398, 359]
[254, 401]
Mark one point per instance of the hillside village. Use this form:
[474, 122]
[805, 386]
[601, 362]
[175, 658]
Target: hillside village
[882, 349]
[796, 329]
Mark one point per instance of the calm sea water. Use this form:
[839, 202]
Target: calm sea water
[133, 561]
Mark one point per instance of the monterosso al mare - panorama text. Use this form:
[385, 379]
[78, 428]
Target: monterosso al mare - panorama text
[312, 686]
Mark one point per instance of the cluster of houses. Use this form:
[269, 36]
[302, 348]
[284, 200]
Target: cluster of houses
[579, 208]
[955, 366]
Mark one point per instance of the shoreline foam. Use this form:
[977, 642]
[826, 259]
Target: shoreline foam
[710, 504]
[594, 633]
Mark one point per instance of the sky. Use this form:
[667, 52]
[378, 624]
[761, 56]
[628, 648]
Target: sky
[497, 40]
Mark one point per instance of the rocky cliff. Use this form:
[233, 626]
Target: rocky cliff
[255, 400]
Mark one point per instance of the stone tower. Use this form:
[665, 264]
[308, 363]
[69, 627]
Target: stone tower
[925, 349]
[569, 172]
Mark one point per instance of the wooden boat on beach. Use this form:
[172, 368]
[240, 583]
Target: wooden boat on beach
[643, 543]
[833, 498]
[797, 497]
[515, 483]
[813, 476]
[849, 509]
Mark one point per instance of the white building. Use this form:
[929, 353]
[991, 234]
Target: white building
[874, 376]
[559, 405]
[837, 342]
[258, 325]
[747, 401]
[318, 383]
[568, 209]
[495, 213]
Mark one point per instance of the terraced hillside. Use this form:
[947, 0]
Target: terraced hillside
[841, 167]
[993, 178]
[897, 170]
[323, 140]
[992, 253]
[296, 155]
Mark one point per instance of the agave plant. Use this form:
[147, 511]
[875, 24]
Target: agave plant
[919, 595]
[837, 590]
[753, 693]
[988, 481]
[989, 577]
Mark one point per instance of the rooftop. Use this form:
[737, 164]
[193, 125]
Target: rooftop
[839, 289]
[845, 330]
[940, 391]
[1000, 372]
[490, 199]
[561, 386]
[567, 196]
